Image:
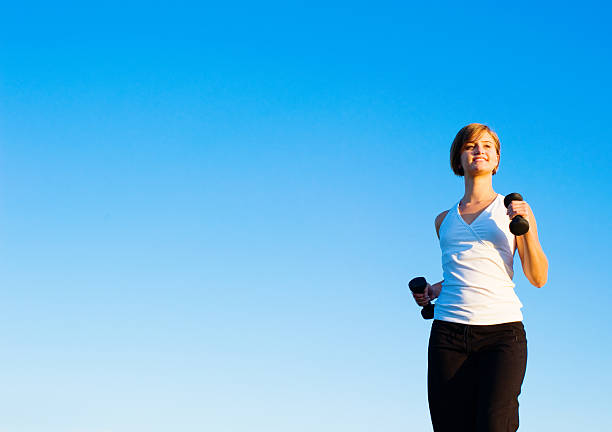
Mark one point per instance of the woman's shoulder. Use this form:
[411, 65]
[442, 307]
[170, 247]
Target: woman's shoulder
[439, 220]
[441, 217]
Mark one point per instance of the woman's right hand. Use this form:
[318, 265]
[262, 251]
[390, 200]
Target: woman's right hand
[429, 293]
[423, 298]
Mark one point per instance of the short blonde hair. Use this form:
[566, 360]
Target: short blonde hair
[468, 133]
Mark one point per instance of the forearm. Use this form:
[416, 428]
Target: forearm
[535, 263]
[533, 259]
[434, 292]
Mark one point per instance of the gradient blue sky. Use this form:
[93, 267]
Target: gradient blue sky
[209, 215]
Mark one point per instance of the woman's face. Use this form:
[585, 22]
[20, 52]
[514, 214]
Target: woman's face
[479, 156]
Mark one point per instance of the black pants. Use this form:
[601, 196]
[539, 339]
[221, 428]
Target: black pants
[474, 376]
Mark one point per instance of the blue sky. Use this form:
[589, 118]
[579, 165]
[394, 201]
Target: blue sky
[209, 215]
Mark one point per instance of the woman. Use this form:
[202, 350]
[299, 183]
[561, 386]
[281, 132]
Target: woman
[477, 348]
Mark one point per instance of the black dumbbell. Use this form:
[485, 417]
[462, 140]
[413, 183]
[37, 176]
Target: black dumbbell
[518, 224]
[417, 286]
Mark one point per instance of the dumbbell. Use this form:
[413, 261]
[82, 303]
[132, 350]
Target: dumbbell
[417, 286]
[518, 224]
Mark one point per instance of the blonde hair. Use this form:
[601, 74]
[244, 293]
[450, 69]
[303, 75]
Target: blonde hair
[473, 131]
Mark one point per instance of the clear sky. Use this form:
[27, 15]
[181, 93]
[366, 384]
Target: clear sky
[209, 215]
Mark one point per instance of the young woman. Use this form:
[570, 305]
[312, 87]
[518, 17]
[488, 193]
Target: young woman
[477, 348]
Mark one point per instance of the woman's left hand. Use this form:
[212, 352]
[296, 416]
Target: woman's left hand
[518, 208]
[533, 259]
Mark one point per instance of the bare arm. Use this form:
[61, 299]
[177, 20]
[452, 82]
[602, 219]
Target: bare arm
[434, 290]
[431, 291]
[533, 259]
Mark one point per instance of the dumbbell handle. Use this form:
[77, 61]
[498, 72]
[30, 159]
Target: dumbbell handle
[417, 286]
[518, 224]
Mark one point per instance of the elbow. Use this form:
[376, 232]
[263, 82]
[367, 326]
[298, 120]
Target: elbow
[538, 276]
[539, 280]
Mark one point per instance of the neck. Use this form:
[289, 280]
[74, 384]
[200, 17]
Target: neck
[478, 189]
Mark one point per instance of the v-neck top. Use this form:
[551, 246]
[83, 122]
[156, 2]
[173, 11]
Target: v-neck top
[477, 263]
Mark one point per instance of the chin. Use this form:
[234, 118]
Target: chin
[480, 172]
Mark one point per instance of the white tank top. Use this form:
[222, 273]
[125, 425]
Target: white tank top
[477, 262]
